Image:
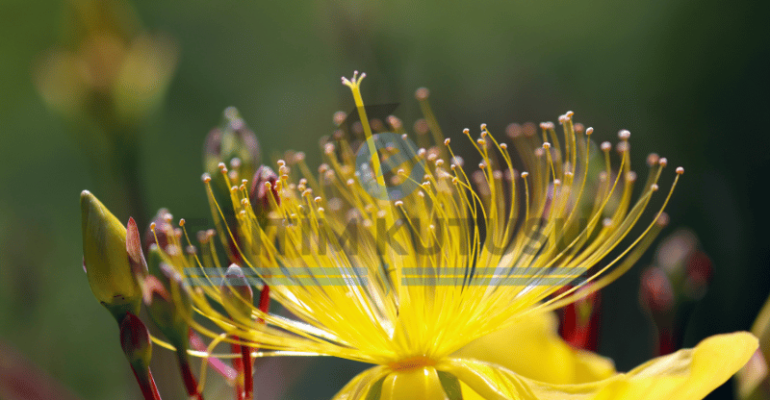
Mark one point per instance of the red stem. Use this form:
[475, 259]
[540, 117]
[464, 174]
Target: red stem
[248, 378]
[187, 376]
[146, 384]
[666, 343]
[238, 366]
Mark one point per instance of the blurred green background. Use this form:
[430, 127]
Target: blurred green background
[687, 78]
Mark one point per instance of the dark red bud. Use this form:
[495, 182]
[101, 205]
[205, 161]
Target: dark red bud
[259, 192]
[656, 290]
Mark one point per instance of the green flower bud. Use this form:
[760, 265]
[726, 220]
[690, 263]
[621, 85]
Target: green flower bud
[234, 144]
[169, 306]
[106, 259]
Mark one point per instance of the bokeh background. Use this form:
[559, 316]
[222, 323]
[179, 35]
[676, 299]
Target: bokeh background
[687, 78]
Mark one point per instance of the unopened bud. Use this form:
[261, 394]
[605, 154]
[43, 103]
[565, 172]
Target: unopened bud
[232, 141]
[104, 253]
[237, 296]
[260, 193]
[163, 229]
[169, 306]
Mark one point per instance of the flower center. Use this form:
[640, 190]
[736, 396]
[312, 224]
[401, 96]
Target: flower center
[411, 363]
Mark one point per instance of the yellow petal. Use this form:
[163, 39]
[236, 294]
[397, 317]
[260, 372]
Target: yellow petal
[532, 348]
[689, 374]
[106, 259]
[413, 384]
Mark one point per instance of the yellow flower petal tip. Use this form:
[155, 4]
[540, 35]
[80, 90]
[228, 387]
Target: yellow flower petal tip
[106, 259]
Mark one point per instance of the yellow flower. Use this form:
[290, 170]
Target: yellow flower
[390, 256]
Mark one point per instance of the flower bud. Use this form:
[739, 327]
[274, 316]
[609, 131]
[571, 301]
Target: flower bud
[232, 140]
[169, 306]
[163, 229]
[259, 194]
[237, 296]
[107, 262]
[135, 341]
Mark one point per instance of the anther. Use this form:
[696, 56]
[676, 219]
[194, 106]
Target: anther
[663, 162]
[467, 131]
[421, 127]
[546, 145]
[152, 226]
[503, 146]
[206, 178]
[557, 182]
[654, 187]
[483, 128]
[624, 134]
[589, 131]
[181, 222]
[235, 163]
[606, 146]
[524, 174]
[481, 142]
[482, 165]
[513, 130]
[446, 142]
[679, 170]
[652, 159]
[339, 117]
[569, 114]
[404, 136]
[317, 199]
[663, 219]
[631, 176]
[399, 203]
[421, 94]
[222, 167]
